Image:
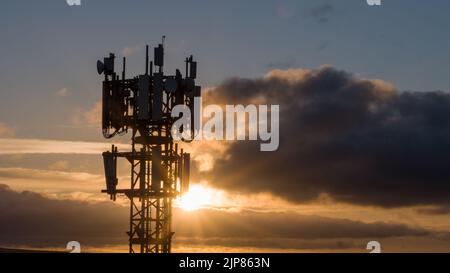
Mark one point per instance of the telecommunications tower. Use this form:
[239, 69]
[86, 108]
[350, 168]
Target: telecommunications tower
[159, 169]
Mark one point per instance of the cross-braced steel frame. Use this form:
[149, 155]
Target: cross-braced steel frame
[151, 205]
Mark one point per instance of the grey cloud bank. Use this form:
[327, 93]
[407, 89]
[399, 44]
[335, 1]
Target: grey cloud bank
[360, 141]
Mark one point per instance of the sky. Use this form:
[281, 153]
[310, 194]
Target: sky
[364, 132]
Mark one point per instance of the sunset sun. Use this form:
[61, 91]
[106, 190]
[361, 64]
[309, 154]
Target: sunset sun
[196, 198]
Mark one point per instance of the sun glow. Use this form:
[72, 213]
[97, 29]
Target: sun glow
[196, 198]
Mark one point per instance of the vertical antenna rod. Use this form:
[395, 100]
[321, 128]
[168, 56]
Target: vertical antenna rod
[124, 67]
[146, 60]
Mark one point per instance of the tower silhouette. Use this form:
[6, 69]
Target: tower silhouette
[159, 169]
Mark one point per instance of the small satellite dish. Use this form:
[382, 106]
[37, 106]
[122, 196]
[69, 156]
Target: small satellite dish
[100, 67]
[171, 85]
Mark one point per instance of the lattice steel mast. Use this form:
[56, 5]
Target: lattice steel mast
[159, 170]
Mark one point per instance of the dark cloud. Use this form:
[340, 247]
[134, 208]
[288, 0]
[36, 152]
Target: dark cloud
[258, 225]
[30, 219]
[360, 141]
[277, 243]
[436, 210]
[33, 220]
